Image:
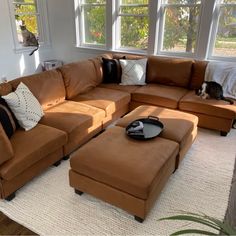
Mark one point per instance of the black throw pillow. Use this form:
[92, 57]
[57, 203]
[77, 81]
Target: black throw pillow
[7, 118]
[111, 71]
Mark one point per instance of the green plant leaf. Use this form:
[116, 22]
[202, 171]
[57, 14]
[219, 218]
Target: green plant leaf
[192, 219]
[193, 231]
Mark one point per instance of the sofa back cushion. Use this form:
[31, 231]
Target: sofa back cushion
[80, 77]
[198, 74]
[47, 87]
[169, 71]
[6, 149]
[5, 88]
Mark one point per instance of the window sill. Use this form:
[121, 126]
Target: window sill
[104, 50]
[22, 49]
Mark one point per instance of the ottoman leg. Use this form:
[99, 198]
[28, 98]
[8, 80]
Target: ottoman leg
[139, 219]
[66, 157]
[78, 192]
[10, 197]
[223, 133]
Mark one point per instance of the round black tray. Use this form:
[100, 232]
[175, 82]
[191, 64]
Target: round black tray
[152, 128]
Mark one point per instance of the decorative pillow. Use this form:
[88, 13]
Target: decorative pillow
[7, 118]
[133, 72]
[6, 149]
[111, 70]
[25, 107]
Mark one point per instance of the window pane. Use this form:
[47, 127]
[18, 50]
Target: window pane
[180, 28]
[25, 8]
[94, 24]
[30, 21]
[134, 2]
[182, 2]
[134, 32]
[134, 10]
[225, 44]
[95, 1]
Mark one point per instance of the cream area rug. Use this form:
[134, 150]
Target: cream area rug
[48, 205]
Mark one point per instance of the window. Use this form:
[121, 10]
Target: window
[92, 22]
[201, 29]
[224, 37]
[133, 24]
[32, 15]
[179, 25]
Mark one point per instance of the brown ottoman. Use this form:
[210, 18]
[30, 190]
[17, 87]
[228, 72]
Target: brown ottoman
[127, 173]
[179, 126]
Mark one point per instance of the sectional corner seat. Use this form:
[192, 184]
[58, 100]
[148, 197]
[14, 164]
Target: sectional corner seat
[77, 106]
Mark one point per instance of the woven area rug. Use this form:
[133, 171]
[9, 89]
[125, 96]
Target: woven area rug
[47, 205]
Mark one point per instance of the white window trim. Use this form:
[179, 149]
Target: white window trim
[215, 22]
[207, 30]
[43, 27]
[79, 22]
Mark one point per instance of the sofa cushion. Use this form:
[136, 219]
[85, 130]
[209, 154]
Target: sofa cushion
[25, 107]
[125, 88]
[159, 95]
[108, 100]
[169, 71]
[171, 119]
[198, 74]
[218, 108]
[74, 118]
[30, 147]
[79, 77]
[47, 87]
[5, 88]
[6, 149]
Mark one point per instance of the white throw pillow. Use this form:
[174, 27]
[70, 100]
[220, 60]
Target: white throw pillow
[133, 72]
[25, 107]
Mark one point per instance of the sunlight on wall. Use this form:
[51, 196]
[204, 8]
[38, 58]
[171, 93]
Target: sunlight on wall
[36, 59]
[22, 64]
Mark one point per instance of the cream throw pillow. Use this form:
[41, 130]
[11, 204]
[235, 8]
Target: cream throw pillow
[25, 107]
[133, 72]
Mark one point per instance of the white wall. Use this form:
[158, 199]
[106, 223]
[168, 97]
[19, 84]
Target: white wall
[62, 32]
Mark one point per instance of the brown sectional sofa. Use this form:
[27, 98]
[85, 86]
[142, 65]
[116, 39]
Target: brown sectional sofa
[77, 106]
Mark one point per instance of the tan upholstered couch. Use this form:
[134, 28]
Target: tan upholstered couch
[77, 106]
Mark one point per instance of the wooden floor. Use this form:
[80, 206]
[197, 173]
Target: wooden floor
[9, 227]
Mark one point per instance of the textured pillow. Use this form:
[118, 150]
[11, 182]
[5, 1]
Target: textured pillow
[133, 72]
[111, 70]
[7, 118]
[6, 149]
[25, 107]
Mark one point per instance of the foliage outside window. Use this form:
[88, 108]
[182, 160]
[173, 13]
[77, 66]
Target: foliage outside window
[134, 24]
[225, 39]
[180, 25]
[93, 18]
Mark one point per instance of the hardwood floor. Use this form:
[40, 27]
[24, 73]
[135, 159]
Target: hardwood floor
[9, 227]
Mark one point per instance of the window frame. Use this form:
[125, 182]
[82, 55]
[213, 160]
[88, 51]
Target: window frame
[80, 32]
[119, 14]
[160, 50]
[214, 31]
[42, 24]
[205, 35]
